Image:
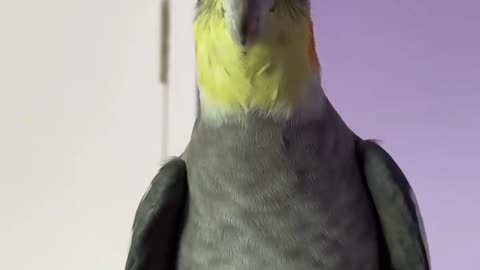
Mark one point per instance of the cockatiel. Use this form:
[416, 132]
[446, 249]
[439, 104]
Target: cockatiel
[272, 177]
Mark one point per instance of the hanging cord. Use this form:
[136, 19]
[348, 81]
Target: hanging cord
[164, 64]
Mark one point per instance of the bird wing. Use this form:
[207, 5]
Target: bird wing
[159, 220]
[398, 212]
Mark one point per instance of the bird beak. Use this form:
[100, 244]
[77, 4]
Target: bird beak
[245, 19]
[249, 20]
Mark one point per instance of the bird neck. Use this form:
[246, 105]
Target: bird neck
[271, 77]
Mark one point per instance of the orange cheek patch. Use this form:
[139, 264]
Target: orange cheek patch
[312, 51]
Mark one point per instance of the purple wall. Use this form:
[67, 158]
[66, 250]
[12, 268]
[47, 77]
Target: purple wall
[408, 73]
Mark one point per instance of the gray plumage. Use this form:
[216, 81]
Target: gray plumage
[300, 195]
[268, 195]
[159, 220]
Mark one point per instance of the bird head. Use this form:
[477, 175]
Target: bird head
[254, 54]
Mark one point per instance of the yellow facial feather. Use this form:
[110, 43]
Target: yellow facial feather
[269, 76]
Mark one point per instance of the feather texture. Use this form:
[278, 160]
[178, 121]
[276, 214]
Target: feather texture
[271, 75]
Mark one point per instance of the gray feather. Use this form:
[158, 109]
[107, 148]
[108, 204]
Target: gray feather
[269, 195]
[158, 220]
[397, 208]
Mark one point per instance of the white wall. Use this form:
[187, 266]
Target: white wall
[80, 130]
[182, 74]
